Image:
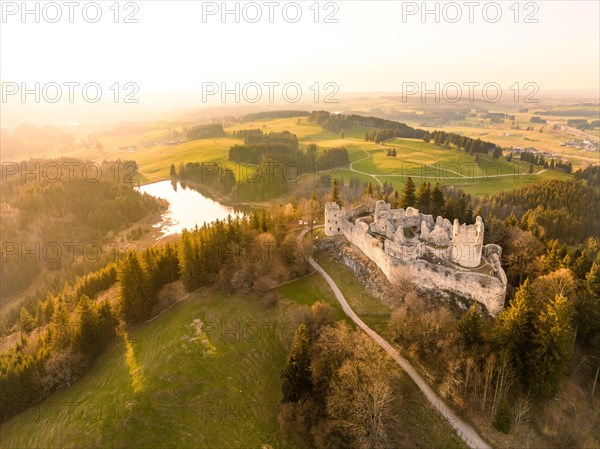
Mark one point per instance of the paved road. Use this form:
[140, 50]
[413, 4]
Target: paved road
[464, 430]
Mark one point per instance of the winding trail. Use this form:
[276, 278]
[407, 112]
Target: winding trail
[362, 172]
[445, 170]
[464, 430]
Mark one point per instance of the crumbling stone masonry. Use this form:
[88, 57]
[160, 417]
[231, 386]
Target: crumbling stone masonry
[436, 254]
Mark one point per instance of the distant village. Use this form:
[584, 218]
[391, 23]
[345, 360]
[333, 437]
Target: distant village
[532, 150]
[586, 145]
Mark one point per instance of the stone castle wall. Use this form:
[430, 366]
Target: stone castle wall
[441, 257]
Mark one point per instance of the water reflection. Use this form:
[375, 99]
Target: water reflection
[187, 207]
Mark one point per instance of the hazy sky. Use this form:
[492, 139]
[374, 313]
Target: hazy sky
[371, 48]
[172, 49]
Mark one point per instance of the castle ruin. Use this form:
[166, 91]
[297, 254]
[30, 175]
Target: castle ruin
[436, 254]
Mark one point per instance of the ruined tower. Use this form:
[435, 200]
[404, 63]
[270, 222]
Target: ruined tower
[333, 220]
[440, 256]
[467, 243]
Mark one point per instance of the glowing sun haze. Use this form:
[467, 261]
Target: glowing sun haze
[371, 48]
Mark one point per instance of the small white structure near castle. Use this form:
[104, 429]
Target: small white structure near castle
[436, 255]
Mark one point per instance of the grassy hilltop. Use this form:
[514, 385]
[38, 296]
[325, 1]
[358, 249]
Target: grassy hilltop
[423, 161]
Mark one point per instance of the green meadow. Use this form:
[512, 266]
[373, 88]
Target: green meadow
[155, 388]
[424, 162]
[158, 390]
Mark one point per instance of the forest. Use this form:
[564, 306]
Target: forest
[204, 131]
[53, 208]
[501, 369]
[338, 122]
[60, 335]
[505, 370]
[267, 167]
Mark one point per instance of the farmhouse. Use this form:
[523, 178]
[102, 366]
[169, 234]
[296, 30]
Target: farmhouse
[448, 258]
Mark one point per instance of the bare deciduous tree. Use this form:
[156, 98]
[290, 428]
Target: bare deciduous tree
[521, 411]
[362, 398]
[60, 369]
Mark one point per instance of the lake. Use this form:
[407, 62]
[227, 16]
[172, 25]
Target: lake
[187, 207]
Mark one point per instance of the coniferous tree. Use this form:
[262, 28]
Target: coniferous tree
[461, 208]
[502, 420]
[335, 193]
[26, 320]
[437, 200]
[85, 339]
[132, 282]
[469, 215]
[408, 197]
[515, 329]
[60, 326]
[424, 197]
[107, 323]
[470, 327]
[552, 339]
[296, 374]
[451, 209]
[370, 189]
[188, 261]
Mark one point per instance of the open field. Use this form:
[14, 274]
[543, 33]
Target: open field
[160, 394]
[424, 162]
[548, 141]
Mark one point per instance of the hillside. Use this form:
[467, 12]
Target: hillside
[224, 393]
[154, 149]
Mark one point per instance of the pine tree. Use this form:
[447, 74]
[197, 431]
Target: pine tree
[437, 200]
[461, 208]
[469, 216]
[86, 333]
[172, 171]
[503, 418]
[552, 341]
[60, 328]
[151, 273]
[132, 288]
[408, 197]
[255, 221]
[26, 320]
[588, 311]
[451, 208]
[335, 193]
[515, 329]
[189, 262]
[264, 221]
[470, 327]
[424, 197]
[107, 323]
[296, 375]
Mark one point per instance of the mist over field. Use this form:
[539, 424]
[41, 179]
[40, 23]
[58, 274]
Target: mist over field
[328, 224]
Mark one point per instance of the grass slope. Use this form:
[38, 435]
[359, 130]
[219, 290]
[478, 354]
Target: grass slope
[153, 393]
[161, 395]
